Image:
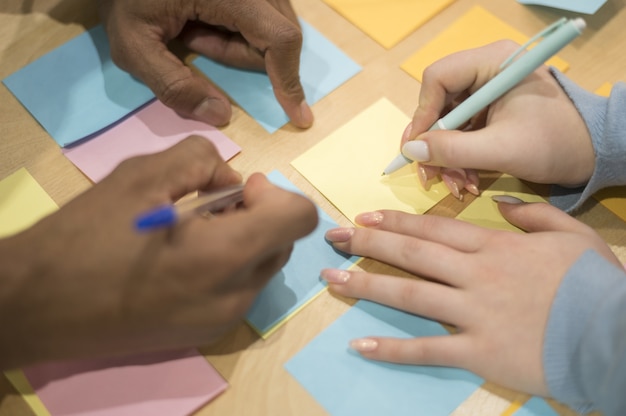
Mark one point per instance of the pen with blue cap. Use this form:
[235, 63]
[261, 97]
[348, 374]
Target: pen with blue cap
[168, 215]
[512, 72]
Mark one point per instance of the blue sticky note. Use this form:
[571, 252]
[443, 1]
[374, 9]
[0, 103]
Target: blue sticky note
[578, 6]
[536, 406]
[76, 90]
[323, 68]
[299, 280]
[344, 383]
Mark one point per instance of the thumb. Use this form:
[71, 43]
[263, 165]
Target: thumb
[540, 216]
[457, 149]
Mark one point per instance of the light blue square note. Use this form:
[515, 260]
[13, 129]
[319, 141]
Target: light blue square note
[76, 90]
[346, 384]
[299, 280]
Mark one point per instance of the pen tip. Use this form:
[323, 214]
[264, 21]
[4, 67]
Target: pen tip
[382, 174]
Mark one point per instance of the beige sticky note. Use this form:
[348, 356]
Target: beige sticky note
[475, 28]
[22, 203]
[484, 211]
[388, 21]
[346, 167]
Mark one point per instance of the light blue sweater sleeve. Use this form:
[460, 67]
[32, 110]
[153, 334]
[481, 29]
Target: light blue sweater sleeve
[584, 351]
[606, 121]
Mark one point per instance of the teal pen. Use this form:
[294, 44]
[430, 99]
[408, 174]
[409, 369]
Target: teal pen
[513, 71]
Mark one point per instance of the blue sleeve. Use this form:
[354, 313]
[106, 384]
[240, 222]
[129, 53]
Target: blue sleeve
[584, 352]
[607, 125]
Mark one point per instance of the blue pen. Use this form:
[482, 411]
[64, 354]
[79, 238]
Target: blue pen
[168, 215]
[555, 37]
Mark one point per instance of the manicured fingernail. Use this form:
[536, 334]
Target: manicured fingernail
[453, 186]
[416, 150]
[423, 176]
[339, 235]
[364, 344]
[335, 276]
[212, 111]
[407, 131]
[306, 115]
[472, 189]
[367, 219]
[507, 199]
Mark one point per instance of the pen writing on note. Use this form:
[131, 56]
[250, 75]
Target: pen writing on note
[168, 215]
[513, 71]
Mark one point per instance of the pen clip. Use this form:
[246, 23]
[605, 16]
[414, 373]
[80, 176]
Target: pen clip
[545, 32]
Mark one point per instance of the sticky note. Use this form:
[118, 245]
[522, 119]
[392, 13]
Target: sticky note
[347, 166]
[388, 21]
[345, 383]
[152, 129]
[298, 282]
[484, 211]
[323, 68]
[577, 6]
[172, 383]
[536, 406]
[22, 203]
[76, 90]
[164, 383]
[475, 28]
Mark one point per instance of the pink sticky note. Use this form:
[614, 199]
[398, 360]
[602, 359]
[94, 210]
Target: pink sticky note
[152, 129]
[167, 383]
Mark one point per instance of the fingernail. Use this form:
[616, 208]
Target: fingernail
[407, 131]
[423, 176]
[335, 276]
[473, 189]
[306, 115]
[367, 219]
[453, 186]
[364, 344]
[507, 199]
[416, 150]
[339, 235]
[212, 111]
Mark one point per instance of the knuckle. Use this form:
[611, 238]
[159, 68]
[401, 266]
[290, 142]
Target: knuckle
[170, 88]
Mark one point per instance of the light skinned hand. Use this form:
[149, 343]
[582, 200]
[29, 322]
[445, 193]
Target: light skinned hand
[533, 132]
[250, 34]
[84, 282]
[495, 287]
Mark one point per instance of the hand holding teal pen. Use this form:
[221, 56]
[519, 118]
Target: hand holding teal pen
[513, 71]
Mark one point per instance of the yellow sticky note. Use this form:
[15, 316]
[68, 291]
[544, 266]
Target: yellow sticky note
[388, 21]
[605, 89]
[484, 211]
[347, 166]
[475, 28]
[22, 203]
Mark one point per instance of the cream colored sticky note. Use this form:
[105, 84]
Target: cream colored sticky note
[475, 28]
[22, 203]
[388, 21]
[484, 211]
[347, 166]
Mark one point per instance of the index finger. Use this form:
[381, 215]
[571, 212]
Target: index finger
[444, 80]
[280, 41]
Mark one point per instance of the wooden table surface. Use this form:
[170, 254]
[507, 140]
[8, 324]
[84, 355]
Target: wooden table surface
[259, 384]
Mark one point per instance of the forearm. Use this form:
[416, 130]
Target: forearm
[607, 126]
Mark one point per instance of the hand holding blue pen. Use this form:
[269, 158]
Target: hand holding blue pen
[168, 215]
[512, 72]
